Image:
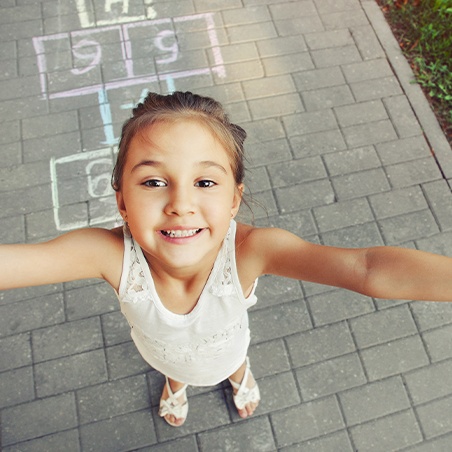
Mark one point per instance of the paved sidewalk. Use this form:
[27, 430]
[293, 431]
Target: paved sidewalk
[339, 146]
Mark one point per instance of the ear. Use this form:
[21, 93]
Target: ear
[238, 194]
[121, 205]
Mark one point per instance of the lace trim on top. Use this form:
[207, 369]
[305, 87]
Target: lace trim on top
[220, 284]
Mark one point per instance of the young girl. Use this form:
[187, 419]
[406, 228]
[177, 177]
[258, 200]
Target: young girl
[184, 271]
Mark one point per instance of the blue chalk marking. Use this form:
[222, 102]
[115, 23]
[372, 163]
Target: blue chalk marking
[107, 120]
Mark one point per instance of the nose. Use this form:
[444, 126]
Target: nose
[180, 201]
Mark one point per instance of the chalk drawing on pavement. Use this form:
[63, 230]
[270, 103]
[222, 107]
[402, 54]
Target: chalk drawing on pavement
[93, 72]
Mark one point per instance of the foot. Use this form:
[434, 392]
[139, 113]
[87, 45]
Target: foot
[174, 405]
[246, 393]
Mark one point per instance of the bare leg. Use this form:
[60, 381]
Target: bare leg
[237, 377]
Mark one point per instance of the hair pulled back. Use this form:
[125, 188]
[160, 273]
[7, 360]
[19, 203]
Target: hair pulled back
[178, 106]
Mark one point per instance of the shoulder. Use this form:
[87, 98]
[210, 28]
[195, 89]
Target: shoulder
[265, 249]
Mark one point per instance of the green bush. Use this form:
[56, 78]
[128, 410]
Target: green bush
[424, 30]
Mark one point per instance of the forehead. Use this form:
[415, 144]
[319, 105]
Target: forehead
[187, 139]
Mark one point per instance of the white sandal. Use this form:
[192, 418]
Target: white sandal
[245, 395]
[172, 406]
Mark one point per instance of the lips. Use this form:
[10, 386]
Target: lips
[180, 233]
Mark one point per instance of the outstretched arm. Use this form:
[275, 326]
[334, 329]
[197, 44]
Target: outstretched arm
[380, 272]
[81, 254]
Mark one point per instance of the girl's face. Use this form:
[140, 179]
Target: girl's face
[178, 194]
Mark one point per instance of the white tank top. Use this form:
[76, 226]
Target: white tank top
[203, 347]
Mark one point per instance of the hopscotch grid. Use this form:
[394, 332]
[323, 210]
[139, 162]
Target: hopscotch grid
[126, 48]
[80, 40]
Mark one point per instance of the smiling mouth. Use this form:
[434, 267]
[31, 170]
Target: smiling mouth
[181, 233]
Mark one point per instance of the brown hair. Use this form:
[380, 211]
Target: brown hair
[183, 105]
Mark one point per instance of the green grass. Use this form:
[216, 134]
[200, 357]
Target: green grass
[424, 31]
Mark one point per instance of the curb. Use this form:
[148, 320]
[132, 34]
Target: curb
[434, 135]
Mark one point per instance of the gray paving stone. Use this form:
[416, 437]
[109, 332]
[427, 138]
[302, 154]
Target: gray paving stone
[331, 376]
[374, 401]
[402, 115]
[361, 113]
[67, 440]
[299, 25]
[327, 97]
[187, 444]
[101, 299]
[430, 383]
[335, 441]
[69, 373]
[307, 421]
[367, 70]
[359, 236]
[354, 160]
[344, 19]
[440, 244]
[403, 150]
[284, 64]
[276, 85]
[281, 46]
[383, 326]
[318, 78]
[431, 315]
[28, 315]
[115, 328]
[245, 16]
[10, 131]
[439, 197]
[268, 152]
[266, 323]
[255, 433]
[437, 343]
[367, 42]
[117, 434]
[390, 433]
[38, 418]
[270, 107]
[16, 387]
[15, 351]
[335, 56]
[320, 344]
[124, 360]
[261, 365]
[291, 10]
[342, 214]
[410, 226]
[272, 290]
[112, 399]
[398, 202]
[359, 184]
[394, 357]
[251, 32]
[330, 6]
[369, 133]
[66, 339]
[317, 143]
[375, 89]
[328, 39]
[431, 412]
[338, 305]
[296, 171]
[303, 196]
[309, 122]
[11, 153]
[300, 223]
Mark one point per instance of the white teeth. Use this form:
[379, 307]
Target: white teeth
[181, 233]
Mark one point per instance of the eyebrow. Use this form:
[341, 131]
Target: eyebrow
[203, 163]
